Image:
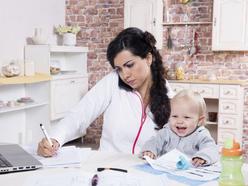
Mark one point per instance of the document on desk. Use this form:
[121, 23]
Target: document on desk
[106, 178]
[168, 163]
[66, 157]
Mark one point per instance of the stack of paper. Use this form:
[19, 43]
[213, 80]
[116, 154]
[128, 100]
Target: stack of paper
[106, 178]
[168, 162]
[66, 156]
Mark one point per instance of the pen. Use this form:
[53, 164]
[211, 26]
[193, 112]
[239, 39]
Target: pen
[94, 180]
[115, 169]
[46, 135]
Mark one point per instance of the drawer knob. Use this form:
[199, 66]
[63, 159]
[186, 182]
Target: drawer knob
[227, 106]
[227, 121]
[175, 90]
[228, 92]
[72, 81]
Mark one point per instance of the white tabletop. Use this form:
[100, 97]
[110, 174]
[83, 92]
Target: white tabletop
[99, 159]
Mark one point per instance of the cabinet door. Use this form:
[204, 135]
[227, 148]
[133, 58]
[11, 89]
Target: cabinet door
[228, 106]
[206, 90]
[228, 121]
[229, 91]
[177, 87]
[224, 134]
[146, 15]
[65, 94]
[230, 25]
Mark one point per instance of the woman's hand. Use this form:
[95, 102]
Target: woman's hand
[148, 153]
[45, 149]
[199, 161]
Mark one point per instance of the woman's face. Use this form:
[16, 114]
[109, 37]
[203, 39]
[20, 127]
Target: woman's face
[133, 70]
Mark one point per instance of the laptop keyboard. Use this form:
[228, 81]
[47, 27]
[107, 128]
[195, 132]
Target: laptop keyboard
[4, 162]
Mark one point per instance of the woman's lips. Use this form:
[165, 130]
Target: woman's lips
[130, 82]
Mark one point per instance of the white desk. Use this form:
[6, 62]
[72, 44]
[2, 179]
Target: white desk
[99, 159]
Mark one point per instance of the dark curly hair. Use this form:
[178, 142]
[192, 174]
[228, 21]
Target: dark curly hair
[140, 44]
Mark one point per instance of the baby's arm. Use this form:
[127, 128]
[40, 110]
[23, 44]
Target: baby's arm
[148, 153]
[199, 161]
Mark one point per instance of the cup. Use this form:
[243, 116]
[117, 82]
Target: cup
[212, 116]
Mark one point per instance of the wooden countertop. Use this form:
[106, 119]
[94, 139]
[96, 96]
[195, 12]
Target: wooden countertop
[241, 83]
[25, 79]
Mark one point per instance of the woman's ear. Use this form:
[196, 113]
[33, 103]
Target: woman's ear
[149, 59]
[200, 120]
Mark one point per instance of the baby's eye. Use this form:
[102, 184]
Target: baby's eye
[186, 117]
[174, 116]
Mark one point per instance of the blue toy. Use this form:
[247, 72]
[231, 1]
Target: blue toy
[182, 164]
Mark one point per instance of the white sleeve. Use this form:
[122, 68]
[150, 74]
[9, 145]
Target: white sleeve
[87, 110]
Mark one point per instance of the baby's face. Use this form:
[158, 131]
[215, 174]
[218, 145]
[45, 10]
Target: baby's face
[184, 118]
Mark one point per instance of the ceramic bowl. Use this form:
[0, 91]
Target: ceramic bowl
[39, 40]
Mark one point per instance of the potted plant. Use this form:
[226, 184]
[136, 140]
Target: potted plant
[69, 34]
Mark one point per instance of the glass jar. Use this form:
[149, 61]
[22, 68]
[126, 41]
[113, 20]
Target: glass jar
[171, 75]
[55, 67]
[11, 68]
[179, 71]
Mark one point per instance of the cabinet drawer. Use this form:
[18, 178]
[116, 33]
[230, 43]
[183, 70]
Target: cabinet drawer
[177, 87]
[206, 90]
[228, 106]
[229, 91]
[228, 121]
[223, 134]
[65, 94]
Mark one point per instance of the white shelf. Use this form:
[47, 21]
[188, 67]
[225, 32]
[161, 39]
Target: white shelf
[69, 76]
[26, 106]
[211, 123]
[68, 49]
[186, 23]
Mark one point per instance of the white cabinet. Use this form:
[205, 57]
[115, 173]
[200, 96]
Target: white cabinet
[22, 123]
[224, 97]
[146, 15]
[230, 24]
[65, 94]
[66, 90]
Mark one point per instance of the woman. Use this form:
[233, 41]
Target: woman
[135, 98]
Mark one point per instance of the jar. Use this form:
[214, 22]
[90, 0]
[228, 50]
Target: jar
[171, 75]
[11, 68]
[179, 71]
[231, 161]
[54, 67]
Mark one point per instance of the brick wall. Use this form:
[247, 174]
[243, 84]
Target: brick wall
[102, 20]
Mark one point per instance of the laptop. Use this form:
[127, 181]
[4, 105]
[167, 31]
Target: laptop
[14, 158]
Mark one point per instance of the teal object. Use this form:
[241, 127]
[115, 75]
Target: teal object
[182, 164]
[231, 161]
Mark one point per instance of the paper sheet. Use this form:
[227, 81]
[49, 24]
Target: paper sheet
[106, 178]
[66, 156]
[168, 162]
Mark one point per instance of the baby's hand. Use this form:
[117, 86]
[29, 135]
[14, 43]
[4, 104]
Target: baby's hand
[148, 153]
[199, 161]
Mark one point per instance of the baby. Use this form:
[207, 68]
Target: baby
[185, 131]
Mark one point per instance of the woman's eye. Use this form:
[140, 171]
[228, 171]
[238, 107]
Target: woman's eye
[118, 69]
[130, 65]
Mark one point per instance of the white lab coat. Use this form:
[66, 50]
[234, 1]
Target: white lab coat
[122, 117]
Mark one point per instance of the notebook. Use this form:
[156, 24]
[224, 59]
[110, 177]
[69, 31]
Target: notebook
[14, 158]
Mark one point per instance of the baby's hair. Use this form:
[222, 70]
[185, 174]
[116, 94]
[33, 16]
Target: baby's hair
[196, 98]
